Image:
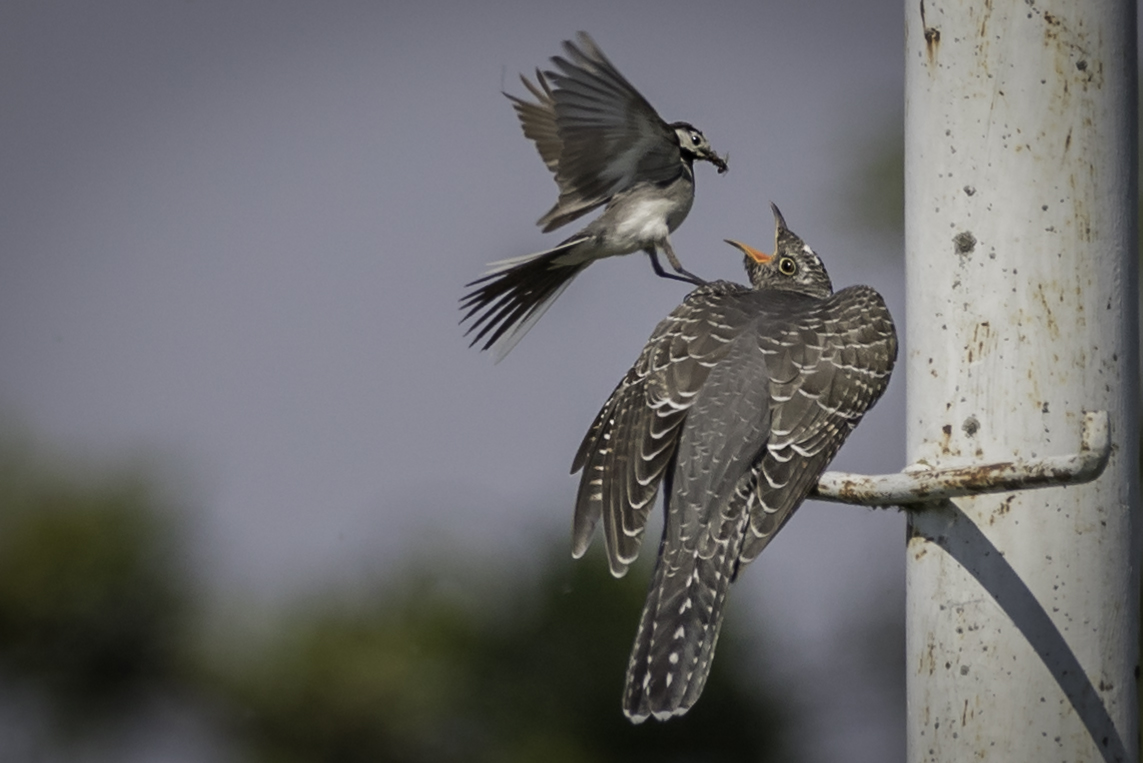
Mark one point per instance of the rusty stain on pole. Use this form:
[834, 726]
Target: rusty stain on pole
[921, 484]
[1021, 259]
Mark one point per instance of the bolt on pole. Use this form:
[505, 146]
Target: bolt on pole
[1021, 259]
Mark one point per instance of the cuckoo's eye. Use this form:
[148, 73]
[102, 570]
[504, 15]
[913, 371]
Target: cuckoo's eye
[787, 266]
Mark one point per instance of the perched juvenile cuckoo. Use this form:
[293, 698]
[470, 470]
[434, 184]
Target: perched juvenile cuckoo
[607, 148]
[737, 404]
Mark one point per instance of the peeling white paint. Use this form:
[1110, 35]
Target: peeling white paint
[1021, 270]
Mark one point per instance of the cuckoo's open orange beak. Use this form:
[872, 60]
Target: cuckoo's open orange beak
[749, 251]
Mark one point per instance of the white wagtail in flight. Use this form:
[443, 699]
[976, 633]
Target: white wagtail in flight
[607, 147]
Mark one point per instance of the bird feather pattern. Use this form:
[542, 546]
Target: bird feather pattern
[606, 147]
[736, 404]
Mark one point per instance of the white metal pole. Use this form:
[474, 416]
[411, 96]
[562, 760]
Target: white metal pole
[1021, 257]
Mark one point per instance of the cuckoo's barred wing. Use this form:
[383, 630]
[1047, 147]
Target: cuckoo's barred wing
[827, 367]
[539, 119]
[610, 136]
[633, 439]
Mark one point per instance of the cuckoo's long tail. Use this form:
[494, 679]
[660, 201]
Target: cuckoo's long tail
[675, 644]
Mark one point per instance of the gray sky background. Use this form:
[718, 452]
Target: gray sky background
[233, 236]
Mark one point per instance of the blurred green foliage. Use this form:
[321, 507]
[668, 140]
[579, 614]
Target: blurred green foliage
[448, 662]
[92, 600]
[521, 669]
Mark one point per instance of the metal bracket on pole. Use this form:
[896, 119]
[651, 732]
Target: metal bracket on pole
[922, 484]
